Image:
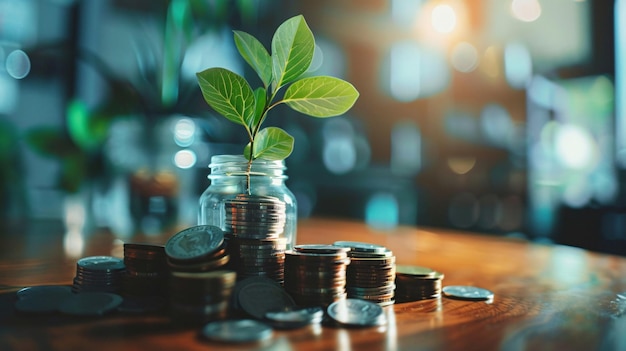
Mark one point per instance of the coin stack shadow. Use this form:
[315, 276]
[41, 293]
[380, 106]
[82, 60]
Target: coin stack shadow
[315, 275]
[371, 273]
[146, 270]
[414, 283]
[99, 274]
[254, 227]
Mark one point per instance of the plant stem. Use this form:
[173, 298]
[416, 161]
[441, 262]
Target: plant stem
[249, 168]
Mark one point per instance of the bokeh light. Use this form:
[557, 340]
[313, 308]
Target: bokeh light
[406, 148]
[444, 18]
[184, 132]
[461, 165]
[526, 10]
[382, 211]
[415, 71]
[17, 64]
[574, 146]
[332, 58]
[339, 155]
[405, 72]
[497, 125]
[464, 57]
[491, 63]
[518, 66]
[185, 159]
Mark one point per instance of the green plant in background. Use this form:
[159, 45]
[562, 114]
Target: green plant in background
[292, 49]
[159, 91]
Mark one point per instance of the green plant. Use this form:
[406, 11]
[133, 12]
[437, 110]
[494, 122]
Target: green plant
[230, 95]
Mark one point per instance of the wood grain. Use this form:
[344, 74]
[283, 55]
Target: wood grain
[546, 297]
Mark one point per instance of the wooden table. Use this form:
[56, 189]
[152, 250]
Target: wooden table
[546, 297]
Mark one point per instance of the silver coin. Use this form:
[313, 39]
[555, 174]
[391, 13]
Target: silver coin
[194, 242]
[101, 263]
[237, 331]
[43, 290]
[258, 297]
[466, 292]
[415, 271]
[294, 317]
[90, 304]
[321, 249]
[361, 246]
[356, 312]
[44, 299]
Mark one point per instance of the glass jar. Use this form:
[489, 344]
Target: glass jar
[231, 183]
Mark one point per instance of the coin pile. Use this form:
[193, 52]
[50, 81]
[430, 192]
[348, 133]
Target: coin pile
[197, 249]
[199, 286]
[371, 273]
[199, 297]
[415, 283]
[254, 227]
[315, 275]
[99, 274]
[146, 269]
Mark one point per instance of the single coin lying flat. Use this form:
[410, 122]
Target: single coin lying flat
[467, 292]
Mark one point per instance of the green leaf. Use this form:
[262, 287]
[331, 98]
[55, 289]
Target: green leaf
[321, 96]
[80, 126]
[260, 96]
[272, 144]
[255, 55]
[229, 94]
[292, 50]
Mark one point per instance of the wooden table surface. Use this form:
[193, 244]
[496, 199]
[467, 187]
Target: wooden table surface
[546, 297]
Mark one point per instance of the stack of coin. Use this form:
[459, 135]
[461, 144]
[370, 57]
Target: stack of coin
[146, 269]
[415, 283]
[199, 297]
[254, 227]
[372, 272]
[257, 257]
[99, 274]
[254, 216]
[315, 275]
[197, 249]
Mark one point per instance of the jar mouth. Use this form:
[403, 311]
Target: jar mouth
[238, 165]
[235, 160]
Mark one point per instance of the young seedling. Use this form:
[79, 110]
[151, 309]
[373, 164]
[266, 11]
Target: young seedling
[231, 95]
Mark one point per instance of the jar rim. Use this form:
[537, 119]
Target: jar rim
[234, 160]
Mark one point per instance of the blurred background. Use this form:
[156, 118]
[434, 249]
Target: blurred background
[502, 117]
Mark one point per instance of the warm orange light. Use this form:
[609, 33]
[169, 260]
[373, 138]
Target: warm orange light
[461, 165]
